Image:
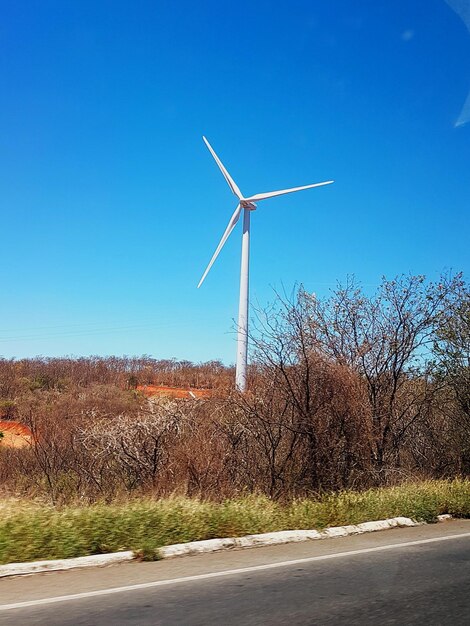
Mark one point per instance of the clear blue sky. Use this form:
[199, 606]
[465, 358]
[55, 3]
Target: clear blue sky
[111, 205]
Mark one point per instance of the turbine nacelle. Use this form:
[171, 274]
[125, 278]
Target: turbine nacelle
[246, 204]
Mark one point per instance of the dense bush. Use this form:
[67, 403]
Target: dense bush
[353, 392]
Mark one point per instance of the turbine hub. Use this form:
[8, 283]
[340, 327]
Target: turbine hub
[251, 206]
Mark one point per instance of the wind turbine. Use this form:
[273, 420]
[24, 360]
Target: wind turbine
[247, 205]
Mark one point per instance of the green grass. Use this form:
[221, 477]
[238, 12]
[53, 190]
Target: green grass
[31, 530]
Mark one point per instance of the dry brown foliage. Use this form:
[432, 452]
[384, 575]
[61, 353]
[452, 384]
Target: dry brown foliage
[344, 393]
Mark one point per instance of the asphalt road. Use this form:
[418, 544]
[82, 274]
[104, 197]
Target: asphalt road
[408, 576]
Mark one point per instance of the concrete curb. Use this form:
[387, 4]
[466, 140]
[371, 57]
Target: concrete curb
[210, 545]
[283, 536]
[37, 567]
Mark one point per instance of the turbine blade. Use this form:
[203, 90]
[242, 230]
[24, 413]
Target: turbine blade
[231, 183]
[271, 194]
[231, 225]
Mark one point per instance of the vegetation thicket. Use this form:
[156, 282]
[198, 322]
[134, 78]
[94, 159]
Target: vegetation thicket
[355, 391]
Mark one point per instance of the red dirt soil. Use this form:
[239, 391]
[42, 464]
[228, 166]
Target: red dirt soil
[174, 392]
[15, 435]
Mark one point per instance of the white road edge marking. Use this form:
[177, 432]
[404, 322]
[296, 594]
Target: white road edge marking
[231, 572]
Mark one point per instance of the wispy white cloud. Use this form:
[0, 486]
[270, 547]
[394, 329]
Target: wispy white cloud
[408, 35]
[464, 116]
[462, 8]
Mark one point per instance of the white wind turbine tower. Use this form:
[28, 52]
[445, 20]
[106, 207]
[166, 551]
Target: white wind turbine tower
[248, 205]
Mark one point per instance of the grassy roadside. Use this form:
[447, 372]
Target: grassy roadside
[31, 531]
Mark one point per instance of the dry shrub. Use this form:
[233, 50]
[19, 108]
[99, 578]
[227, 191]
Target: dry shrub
[349, 392]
